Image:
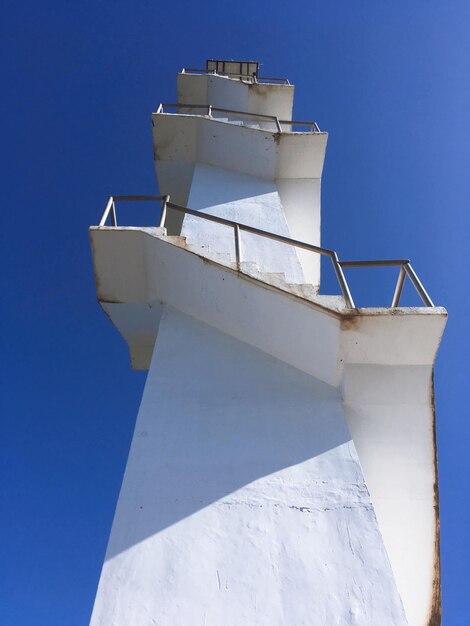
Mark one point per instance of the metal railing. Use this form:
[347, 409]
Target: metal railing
[208, 111]
[251, 78]
[403, 264]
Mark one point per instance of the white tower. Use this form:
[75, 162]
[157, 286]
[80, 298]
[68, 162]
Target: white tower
[283, 469]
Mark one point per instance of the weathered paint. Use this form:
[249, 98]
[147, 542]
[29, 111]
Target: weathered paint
[389, 413]
[435, 613]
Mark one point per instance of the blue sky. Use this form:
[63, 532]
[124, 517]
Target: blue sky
[388, 80]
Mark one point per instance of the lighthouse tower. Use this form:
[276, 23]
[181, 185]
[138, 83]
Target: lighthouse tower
[282, 470]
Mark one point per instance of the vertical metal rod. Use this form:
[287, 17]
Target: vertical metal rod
[209, 110]
[166, 199]
[417, 285]
[104, 217]
[278, 125]
[399, 287]
[342, 281]
[113, 215]
[236, 232]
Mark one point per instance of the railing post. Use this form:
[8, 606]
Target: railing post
[236, 232]
[166, 199]
[104, 217]
[417, 285]
[342, 282]
[113, 215]
[209, 110]
[399, 287]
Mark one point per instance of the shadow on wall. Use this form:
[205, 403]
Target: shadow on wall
[217, 415]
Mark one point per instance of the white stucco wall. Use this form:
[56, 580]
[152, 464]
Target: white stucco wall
[300, 200]
[389, 411]
[229, 93]
[248, 200]
[244, 506]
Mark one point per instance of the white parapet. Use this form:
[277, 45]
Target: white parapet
[229, 93]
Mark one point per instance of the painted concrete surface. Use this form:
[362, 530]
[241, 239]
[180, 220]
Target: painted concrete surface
[389, 412]
[300, 199]
[247, 200]
[241, 148]
[229, 93]
[382, 362]
[247, 506]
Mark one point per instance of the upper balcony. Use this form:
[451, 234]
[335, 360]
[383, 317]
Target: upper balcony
[261, 121]
[236, 85]
[272, 147]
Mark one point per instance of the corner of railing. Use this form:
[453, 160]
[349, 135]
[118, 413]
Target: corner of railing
[423, 294]
[399, 287]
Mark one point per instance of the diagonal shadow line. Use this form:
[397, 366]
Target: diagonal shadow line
[216, 415]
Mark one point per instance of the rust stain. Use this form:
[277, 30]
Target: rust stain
[261, 90]
[350, 322]
[435, 614]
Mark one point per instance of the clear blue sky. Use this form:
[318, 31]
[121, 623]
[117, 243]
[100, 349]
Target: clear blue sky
[390, 81]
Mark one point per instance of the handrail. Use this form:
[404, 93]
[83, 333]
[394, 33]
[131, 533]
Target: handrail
[111, 207]
[404, 264]
[209, 109]
[245, 77]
